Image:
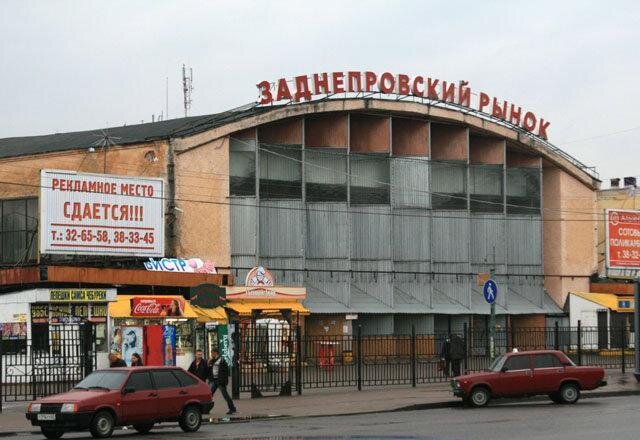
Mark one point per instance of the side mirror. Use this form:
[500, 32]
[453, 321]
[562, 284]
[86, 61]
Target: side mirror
[128, 390]
[504, 369]
[566, 364]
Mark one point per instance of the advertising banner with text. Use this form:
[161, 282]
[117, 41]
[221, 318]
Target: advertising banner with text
[622, 239]
[99, 214]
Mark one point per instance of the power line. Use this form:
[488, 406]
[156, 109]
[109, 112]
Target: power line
[358, 209]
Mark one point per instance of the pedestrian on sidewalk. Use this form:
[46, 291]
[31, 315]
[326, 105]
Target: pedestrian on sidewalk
[456, 354]
[199, 367]
[115, 361]
[220, 378]
[136, 360]
[445, 358]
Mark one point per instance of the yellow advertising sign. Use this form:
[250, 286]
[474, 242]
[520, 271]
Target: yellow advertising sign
[75, 295]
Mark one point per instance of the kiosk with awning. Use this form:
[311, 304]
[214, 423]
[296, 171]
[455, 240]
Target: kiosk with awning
[266, 316]
[161, 329]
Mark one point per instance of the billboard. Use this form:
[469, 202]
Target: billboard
[157, 306]
[622, 246]
[99, 214]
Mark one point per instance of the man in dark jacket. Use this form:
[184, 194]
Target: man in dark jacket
[457, 353]
[220, 378]
[115, 361]
[199, 367]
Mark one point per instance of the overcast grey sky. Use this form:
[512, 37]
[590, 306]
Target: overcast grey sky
[80, 65]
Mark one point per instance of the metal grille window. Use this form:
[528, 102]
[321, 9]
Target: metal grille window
[449, 185]
[280, 172]
[18, 232]
[326, 175]
[242, 167]
[523, 190]
[370, 178]
[486, 188]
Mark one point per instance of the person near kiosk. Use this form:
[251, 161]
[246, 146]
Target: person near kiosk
[199, 367]
[219, 378]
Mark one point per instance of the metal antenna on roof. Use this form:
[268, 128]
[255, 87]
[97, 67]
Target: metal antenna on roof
[105, 141]
[187, 88]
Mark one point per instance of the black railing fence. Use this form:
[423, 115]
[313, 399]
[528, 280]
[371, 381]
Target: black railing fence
[283, 360]
[280, 359]
[48, 363]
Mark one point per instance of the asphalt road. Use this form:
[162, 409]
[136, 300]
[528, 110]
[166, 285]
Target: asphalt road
[616, 418]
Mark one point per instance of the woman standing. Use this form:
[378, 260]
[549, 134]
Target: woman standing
[136, 360]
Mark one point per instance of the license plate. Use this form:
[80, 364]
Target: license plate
[46, 416]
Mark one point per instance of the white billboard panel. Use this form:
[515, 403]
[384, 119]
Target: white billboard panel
[100, 214]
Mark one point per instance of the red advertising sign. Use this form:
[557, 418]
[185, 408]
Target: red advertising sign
[623, 239]
[157, 307]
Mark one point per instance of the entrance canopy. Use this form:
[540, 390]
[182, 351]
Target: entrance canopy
[244, 308]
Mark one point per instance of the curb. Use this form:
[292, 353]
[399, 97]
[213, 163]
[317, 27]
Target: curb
[416, 407]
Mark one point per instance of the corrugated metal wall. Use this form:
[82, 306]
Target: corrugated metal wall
[371, 233]
[450, 236]
[411, 235]
[423, 324]
[243, 225]
[281, 223]
[316, 242]
[410, 180]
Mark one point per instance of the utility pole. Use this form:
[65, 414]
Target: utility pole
[492, 317]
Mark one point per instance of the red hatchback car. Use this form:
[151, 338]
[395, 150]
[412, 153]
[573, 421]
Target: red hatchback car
[529, 373]
[140, 396]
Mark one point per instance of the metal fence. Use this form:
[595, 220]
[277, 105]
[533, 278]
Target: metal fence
[282, 360]
[52, 362]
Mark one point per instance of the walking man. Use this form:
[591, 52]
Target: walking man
[220, 378]
[199, 367]
[457, 351]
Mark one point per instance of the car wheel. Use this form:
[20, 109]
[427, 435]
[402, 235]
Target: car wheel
[479, 397]
[143, 428]
[190, 419]
[102, 425]
[569, 393]
[555, 397]
[51, 433]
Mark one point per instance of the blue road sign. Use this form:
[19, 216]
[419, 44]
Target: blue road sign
[490, 291]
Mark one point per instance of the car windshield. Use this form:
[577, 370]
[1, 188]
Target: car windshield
[108, 380]
[496, 365]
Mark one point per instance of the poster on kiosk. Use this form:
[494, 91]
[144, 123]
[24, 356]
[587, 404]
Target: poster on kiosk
[169, 345]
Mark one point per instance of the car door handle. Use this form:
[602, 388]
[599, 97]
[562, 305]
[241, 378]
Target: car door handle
[183, 392]
[153, 395]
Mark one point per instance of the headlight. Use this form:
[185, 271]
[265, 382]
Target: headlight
[68, 408]
[34, 407]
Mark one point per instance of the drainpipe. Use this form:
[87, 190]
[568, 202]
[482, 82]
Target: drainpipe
[170, 216]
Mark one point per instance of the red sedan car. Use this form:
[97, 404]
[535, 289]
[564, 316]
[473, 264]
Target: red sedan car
[140, 396]
[529, 373]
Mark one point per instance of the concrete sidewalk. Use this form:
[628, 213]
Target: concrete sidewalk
[337, 401]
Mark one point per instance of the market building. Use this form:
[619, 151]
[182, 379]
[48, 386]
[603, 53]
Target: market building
[380, 201]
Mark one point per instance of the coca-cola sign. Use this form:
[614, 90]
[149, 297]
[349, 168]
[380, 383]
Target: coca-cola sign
[157, 306]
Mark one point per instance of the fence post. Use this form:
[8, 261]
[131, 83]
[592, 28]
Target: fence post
[622, 347]
[465, 334]
[556, 336]
[579, 342]
[87, 346]
[359, 338]
[298, 360]
[413, 356]
[513, 336]
[235, 370]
